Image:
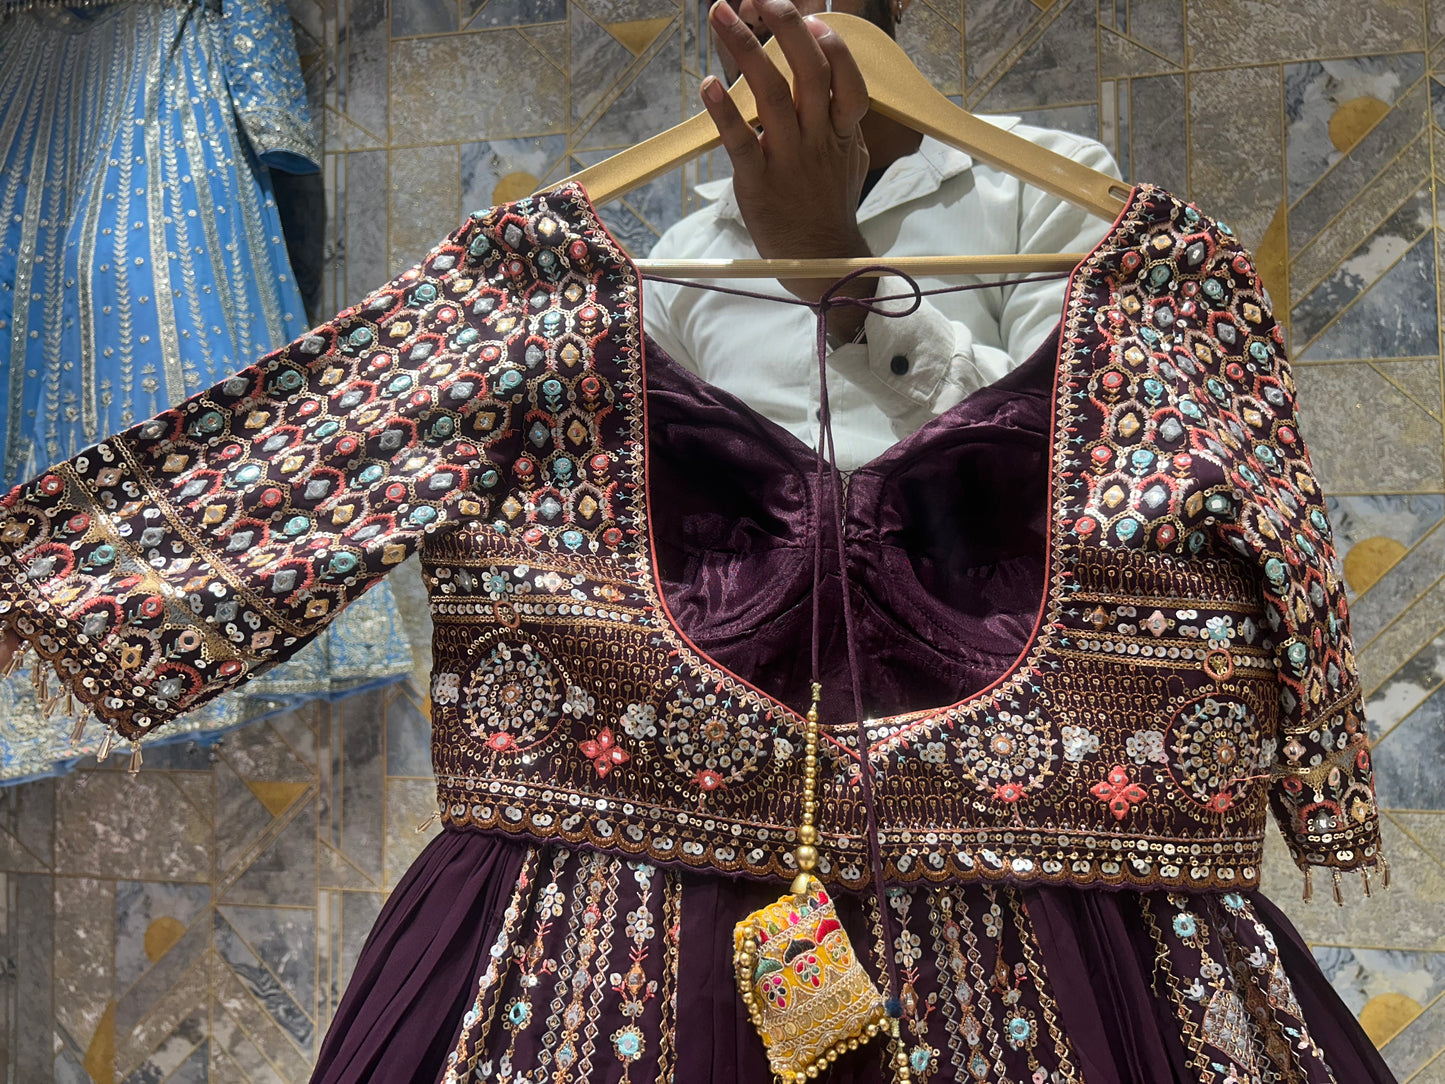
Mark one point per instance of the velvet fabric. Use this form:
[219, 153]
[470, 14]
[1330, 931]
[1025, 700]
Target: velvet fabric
[945, 535]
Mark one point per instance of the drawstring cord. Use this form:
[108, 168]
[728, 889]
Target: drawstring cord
[830, 488]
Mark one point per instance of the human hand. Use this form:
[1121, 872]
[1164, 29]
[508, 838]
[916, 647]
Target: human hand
[798, 182]
[9, 644]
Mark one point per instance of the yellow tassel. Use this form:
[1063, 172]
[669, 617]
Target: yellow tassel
[1309, 886]
[1339, 889]
[424, 825]
[135, 759]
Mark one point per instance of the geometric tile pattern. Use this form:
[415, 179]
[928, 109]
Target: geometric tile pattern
[198, 923]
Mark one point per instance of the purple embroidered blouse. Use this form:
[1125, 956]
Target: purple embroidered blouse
[1168, 659]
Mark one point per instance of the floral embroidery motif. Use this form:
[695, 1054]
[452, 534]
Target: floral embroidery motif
[709, 741]
[604, 754]
[513, 697]
[1010, 753]
[1120, 794]
[1212, 740]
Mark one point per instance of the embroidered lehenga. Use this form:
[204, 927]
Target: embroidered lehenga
[141, 260]
[1111, 568]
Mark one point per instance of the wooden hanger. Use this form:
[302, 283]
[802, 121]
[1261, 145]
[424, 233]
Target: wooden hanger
[899, 91]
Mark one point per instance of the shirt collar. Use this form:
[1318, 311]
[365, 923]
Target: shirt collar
[911, 177]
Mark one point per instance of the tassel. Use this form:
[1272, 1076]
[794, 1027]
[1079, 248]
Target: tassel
[104, 750]
[424, 825]
[15, 659]
[1309, 886]
[135, 759]
[1339, 889]
[69, 702]
[1365, 877]
[1384, 868]
[77, 732]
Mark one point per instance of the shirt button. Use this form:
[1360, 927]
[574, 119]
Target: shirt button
[899, 365]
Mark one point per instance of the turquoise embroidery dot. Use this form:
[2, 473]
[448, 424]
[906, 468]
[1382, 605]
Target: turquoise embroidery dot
[1184, 925]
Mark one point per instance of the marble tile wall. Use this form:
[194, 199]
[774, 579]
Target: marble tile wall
[198, 924]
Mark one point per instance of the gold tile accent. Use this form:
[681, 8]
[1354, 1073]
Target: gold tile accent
[161, 936]
[1369, 559]
[1352, 121]
[100, 1054]
[276, 797]
[638, 34]
[1385, 1016]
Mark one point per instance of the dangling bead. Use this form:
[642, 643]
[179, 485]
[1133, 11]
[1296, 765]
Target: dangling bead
[135, 759]
[1339, 890]
[1309, 887]
[16, 658]
[104, 750]
[78, 730]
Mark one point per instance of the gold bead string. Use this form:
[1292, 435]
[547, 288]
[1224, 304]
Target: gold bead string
[806, 852]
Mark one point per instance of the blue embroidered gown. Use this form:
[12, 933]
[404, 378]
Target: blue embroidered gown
[141, 260]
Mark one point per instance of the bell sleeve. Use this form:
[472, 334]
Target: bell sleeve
[1321, 783]
[200, 548]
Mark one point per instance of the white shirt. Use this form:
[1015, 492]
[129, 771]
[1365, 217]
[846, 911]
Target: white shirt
[936, 201]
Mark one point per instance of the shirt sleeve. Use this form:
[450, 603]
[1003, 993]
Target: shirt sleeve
[920, 365]
[198, 549]
[268, 93]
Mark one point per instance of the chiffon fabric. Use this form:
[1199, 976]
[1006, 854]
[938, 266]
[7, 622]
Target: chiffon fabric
[497, 960]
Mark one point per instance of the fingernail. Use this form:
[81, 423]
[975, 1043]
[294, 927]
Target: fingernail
[724, 13]
[712, 89]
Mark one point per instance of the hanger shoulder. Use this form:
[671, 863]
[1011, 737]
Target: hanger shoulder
[898, 90]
